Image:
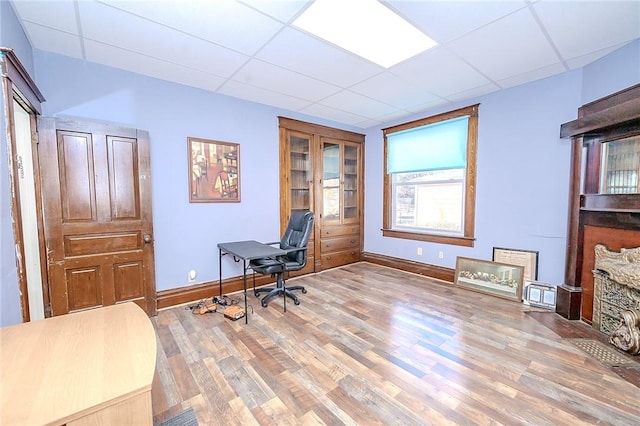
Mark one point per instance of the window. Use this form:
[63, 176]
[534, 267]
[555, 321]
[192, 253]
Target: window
[429, 181]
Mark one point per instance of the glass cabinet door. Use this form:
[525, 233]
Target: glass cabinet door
[350, 183]
[331, 208]
[300, 171]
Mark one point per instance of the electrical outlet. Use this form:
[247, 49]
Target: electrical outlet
[419, 251]
[440, 255]
[192, 275]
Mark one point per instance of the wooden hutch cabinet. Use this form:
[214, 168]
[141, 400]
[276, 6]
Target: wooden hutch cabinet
[321, 169]
[604, 203]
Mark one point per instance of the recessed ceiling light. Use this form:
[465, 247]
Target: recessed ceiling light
[364, 27]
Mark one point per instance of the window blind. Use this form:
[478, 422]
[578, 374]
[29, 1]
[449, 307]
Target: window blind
[438, 146]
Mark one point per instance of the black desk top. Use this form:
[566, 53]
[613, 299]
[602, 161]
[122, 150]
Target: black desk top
[249, 250]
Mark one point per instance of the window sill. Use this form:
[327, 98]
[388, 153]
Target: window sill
[433, 238]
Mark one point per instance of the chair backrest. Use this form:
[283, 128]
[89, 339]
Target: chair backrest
[297, 234]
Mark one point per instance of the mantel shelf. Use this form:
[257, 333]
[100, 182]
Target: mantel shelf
[615, 115]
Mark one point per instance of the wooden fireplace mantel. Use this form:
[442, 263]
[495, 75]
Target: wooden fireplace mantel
[594, 218]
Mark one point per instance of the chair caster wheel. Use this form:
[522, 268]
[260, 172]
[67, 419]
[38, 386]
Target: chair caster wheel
[304, 290]
[255, 293]
[264, 303]
[296, 302]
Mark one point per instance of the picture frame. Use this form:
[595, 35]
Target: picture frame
[525, 258]
[540, 295]
[493, 278]
[214, 171]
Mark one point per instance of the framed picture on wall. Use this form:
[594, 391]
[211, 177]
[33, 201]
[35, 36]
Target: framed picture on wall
[214, 171]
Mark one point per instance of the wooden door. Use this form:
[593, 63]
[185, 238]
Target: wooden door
[96, 190]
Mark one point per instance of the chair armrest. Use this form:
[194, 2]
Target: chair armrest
[293, 249]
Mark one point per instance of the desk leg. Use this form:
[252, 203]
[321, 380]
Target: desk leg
[220, 270]
[244, 282]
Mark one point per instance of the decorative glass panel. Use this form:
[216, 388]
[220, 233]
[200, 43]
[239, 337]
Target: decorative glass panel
[300, 172]
[330, 181]
[621, 166]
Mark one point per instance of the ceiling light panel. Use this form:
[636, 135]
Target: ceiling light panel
[366, 28]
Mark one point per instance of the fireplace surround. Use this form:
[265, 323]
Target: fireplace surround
[616, 304]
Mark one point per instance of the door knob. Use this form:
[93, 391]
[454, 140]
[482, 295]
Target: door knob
[146, 238]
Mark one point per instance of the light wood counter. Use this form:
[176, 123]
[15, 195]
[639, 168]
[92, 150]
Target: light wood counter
[91, 367]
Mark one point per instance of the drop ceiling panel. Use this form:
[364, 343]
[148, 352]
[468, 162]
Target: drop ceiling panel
[391, 89]
[261, 74]
[441, 72]
[328, 63]
[591, 57]
[347, 100]
[444, 21]
[284, 11]
[215, 21]
[249, 49]
[59, 15]
[328, 113]
[474, 93]
[114, 27]
[571, 24]
[533, 75]
[256, 94]
[487, 48]
[55, 41]
[153, 67]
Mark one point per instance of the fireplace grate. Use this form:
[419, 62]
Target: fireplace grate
[606, 354]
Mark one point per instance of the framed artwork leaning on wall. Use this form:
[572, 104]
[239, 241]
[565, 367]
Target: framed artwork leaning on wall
[494, 278]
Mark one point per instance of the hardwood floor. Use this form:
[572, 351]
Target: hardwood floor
[373, 345]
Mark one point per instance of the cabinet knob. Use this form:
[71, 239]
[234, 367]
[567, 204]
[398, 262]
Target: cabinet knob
[328, 245]
[328, 257]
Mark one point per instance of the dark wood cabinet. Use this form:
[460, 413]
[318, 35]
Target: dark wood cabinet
[321, 169]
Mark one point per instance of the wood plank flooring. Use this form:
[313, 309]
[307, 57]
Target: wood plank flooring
[371, 345]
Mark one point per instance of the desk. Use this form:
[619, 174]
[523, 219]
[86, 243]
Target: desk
[90, 367]
[247, 251]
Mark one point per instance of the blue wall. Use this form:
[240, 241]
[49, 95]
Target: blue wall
[522, 178]
[523, 165]
[186, 233]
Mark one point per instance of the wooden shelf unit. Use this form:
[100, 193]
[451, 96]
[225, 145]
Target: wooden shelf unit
[321, 169]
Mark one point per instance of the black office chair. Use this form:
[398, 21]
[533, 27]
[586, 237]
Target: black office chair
[294, 243]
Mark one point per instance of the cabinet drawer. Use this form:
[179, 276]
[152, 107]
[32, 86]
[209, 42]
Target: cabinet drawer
[334, 231]
[340, 258]
[339, 243]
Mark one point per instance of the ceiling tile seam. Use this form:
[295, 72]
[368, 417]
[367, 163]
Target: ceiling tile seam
[430, 91]
[254, 57]
[368, 97]
[156, 58]
[175, 29]
[339, 88]
[309, 102]
[287, 23]
[353, 113]
[544, 31]
[76, 10]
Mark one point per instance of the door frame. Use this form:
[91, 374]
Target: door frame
[18, 85]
